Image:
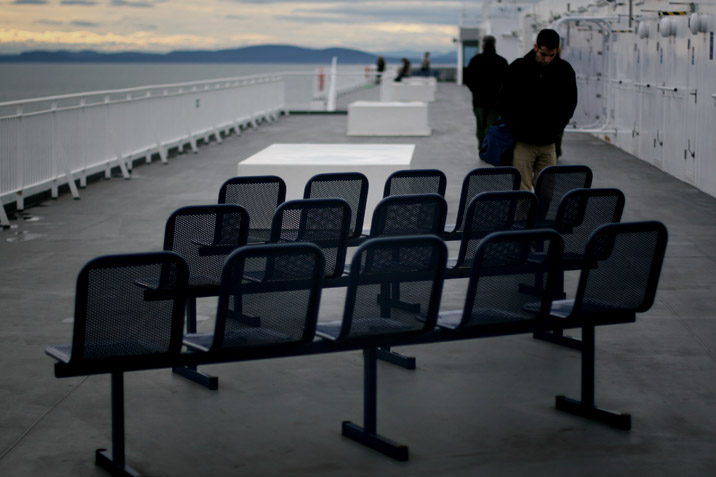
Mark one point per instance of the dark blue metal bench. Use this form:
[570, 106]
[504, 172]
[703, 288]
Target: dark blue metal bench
[120, 324]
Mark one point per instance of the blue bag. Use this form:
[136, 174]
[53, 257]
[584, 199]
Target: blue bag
[497, 145]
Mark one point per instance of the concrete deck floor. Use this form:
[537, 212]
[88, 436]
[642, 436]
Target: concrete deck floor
[476, 407]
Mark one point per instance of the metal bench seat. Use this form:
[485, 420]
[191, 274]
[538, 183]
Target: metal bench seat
[267, 309]
[118, 326]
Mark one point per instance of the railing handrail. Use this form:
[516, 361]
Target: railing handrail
[141, 88]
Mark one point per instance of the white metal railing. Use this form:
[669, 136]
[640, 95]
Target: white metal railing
[52, 141]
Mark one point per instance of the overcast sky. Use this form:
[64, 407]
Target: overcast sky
[165, 25]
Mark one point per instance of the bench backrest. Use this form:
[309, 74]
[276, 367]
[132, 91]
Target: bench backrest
[494, 212]
[553, 183]
[324, 222]
[415, 181]
[259, 195]
[349, 186]
[581, 211]
[414, 266]
[269, 295]
[503, 269]
[204, 235]
[621, 268]
[409, 215]
[118, 318]
[484, 179]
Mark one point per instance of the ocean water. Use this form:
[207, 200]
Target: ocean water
[36, 80]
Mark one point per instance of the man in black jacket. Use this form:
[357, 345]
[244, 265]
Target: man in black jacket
[484, 76]
[536, 101]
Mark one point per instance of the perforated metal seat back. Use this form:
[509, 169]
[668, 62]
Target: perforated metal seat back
[324, 222]
[204, 236]
[582, 211]
[349, 186]
[259, 195]
[494, 212]
[553, 183]
[395, 286]
[409, 215]
[622, 267]
[116, 316]
[269, 296]
[485, 179]
[415, 181]
[503, 272]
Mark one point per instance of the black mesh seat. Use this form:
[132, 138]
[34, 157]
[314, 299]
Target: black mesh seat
[552, 184]
[349, 186]
[477, 181]
[619, 277]
[405, 215]
[120, 325]
[579, 213]
[493, 212]
[269, 297]
[409, 215]
[500, 272]
[259, 195]
[204, 235]
[416, 263]
[367, 321]
[415, 181]
[324, 222]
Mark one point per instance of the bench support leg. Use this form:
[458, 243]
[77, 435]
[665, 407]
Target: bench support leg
[190, 372]
[388, 301]
[368, 434]
[115, 463]
[586, 407]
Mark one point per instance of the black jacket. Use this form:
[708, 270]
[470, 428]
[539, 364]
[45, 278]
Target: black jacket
[484, 75]
[536, 101]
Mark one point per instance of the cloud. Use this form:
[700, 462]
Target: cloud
[104, 41]
[82, 23]
[78, 2]
[132, 3]
[354, 14]
[30, 2]
[45, 21]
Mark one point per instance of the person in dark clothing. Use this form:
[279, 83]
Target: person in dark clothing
[404, 70]
[379, 68]
[484, 76]
[536, 101]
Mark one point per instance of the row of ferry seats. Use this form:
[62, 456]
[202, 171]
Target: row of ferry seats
[129, 309]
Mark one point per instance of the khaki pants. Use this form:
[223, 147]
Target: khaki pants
[530, 160]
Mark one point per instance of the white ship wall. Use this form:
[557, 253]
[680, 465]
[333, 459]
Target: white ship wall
[649, 87]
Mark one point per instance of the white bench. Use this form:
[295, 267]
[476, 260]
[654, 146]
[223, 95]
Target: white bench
[413, 89]
[394, 118]
[296, 163]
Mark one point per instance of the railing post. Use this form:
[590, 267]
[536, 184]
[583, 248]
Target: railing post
[19, 157]
[332, 87]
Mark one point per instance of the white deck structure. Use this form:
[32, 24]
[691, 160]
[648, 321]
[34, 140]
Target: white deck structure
[388, 118]
[297, 163]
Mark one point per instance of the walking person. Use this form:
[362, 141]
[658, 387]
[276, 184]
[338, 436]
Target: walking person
[536, 101]
[483, 76]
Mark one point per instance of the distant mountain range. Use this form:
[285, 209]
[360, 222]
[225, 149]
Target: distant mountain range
[249, 54]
